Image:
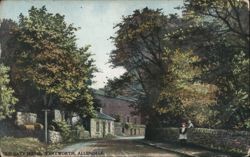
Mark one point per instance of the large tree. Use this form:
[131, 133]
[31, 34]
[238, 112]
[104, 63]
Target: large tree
[139, 48]
[148, 46]
[48, 60]
[232, 16]
[226, 56]
[8, 48]
[7, 99]
[216, 31]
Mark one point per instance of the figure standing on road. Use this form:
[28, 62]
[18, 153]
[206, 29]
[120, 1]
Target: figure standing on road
[183, 134]
[190, 124]
[248, 153]
[1, 154]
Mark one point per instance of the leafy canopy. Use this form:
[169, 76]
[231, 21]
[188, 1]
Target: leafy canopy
[7, 99]
[163, 70]
[49, 59]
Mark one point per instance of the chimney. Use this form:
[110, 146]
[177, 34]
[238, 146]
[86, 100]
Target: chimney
[99, 109]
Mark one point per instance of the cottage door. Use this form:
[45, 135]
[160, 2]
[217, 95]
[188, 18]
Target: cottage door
[104, 128]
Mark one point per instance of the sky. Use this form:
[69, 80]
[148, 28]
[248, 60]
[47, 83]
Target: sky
[96, 18]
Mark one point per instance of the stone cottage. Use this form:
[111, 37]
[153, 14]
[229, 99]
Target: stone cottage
[121, 108]
[102, 125]
[96, 127]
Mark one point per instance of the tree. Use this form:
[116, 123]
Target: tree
[217, 32]
[182, 89]
[148, 46]
[139, 49]
[224, 57]
[232, 15]
[119, 86]
[7, 99]
[49, 60]
[8, 49]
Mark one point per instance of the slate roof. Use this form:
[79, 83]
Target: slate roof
[102, 93]
[104, 116]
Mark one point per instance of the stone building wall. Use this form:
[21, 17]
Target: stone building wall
[101, 133]
[226, 140]
[122, 108]
[132, 130]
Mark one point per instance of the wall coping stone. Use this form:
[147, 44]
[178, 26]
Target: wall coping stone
[221, 139]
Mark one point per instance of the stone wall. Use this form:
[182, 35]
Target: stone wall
[54, 137]
[118, 129]
[18, 129]
[23, 118]
[129, 130]
[101, 133]
[81, 133]
[84, 134]
[226, 140]
[8, 128]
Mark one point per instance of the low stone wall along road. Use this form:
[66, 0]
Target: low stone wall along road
[117, 148]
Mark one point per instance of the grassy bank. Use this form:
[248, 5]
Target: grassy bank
[27, 144]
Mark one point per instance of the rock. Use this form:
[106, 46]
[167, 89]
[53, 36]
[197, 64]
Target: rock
[23, 118]
[54, 137]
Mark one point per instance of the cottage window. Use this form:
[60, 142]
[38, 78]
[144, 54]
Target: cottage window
[109, 127]
[128, 119]
[97, 126]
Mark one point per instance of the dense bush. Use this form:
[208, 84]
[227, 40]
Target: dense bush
[63, 128]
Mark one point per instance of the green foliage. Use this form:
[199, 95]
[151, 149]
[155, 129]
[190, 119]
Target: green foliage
[64, 129]
[232, 16]
[194, 67]
[7, 99]
[226, 58]
[49, 61]
[177, 93]
[118, 86]
[247, 123]
[139, 49]
[117, 118]
[128, 125]
[46, 62]
[240, 70]
[8, 48]
[152, 48]
[28, 144]
[17, 145]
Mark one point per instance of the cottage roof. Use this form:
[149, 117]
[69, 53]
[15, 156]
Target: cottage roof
[119, 97]
[104, 116]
